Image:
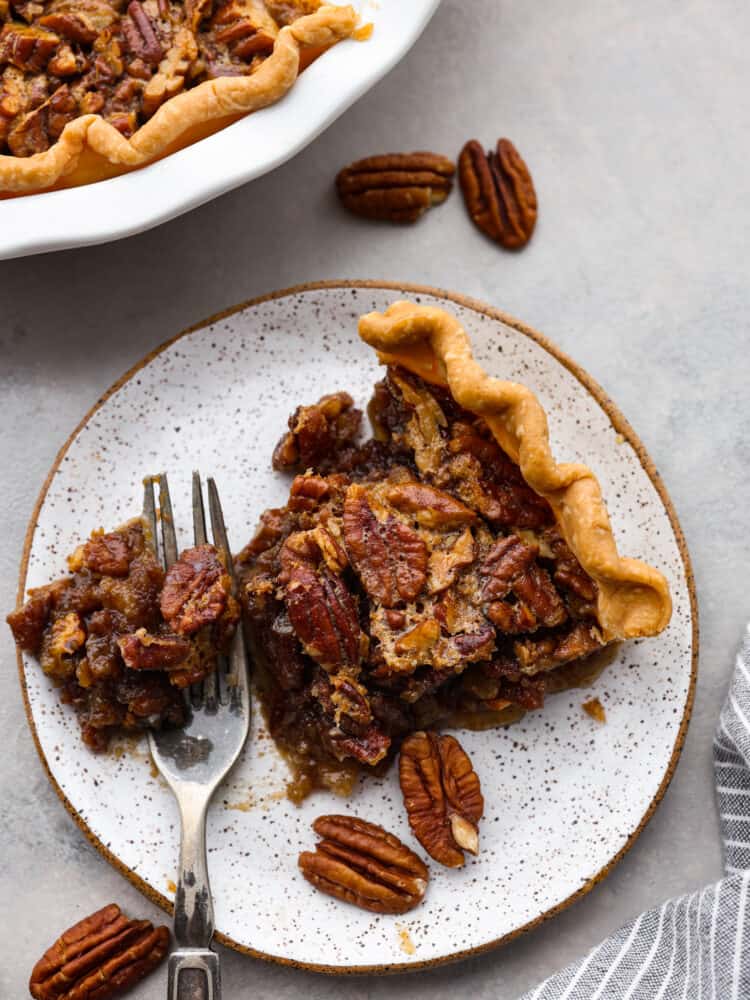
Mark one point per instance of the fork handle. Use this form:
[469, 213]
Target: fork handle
[193, 974]
[193, 906]
[193, 968]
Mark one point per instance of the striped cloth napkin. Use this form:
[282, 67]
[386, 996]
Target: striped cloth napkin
[696, 947]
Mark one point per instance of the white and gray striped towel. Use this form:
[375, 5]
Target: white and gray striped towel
[696, 947]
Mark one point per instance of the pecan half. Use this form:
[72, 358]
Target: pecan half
[389, 556]
[321, 610]
[99, 957]
[140, 35]
[442, 796]
[498, 192]
[362, 864]
[196, 590]
[395, 187]
[510, 565]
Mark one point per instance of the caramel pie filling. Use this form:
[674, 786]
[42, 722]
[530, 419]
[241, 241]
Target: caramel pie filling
[411, 580]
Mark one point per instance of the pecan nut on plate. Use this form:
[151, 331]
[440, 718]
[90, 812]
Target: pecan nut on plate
[395, 187]
[361, 863]
[498, 192]
[99, 957]
[442, 796]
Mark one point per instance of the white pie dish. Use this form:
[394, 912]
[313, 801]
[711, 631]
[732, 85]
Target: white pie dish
[132, 203]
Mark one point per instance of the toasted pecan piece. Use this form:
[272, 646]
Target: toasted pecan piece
[389, 556]
[196, 590]
[322, 611]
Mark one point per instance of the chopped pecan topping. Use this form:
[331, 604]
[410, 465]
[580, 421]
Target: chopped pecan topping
[308, 492]
[368, 747]
[71, 25]
[569, 573]
[389, 556]
[106, 554]
[442, 796]
[430, 507]
[122, 59]
[537, 655]
[396, 187]
[507, 561]
[499, 192]
[315, 431]
[173, 69]
[362, 864]
[246, 27]
[321, 610]
[27, 623]
[196, 590]
[536, 591]
[27, 47]
[99, 957]
[142, 651]
[140, 35]
[421, 638]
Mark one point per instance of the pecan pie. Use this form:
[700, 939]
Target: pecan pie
[93, 88]
[445, 571]
[121, 638]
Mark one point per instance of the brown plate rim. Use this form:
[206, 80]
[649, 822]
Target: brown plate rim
[621, 425]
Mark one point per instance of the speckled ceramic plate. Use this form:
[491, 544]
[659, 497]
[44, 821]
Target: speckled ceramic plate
[565, 796]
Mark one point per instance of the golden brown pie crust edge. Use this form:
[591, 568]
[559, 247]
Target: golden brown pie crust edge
[186, 112]
[633, 597]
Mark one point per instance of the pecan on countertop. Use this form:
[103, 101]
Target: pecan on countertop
[498, 192]
[99, 957]
[395, 187]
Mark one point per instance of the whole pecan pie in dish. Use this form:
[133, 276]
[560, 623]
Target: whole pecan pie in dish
[93, 88]
[447, 571]
[121, 638]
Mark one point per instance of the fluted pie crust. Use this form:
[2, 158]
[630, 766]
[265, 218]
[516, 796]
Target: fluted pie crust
[633, 598]
[90, 149]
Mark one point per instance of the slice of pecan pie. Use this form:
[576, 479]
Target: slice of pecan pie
[121, 638]
[92, 88]
[446, 571]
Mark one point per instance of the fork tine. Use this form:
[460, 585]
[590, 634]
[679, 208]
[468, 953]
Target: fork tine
[149, 515]
[207, 691]
[149, 512]
[168, 535]
[199, 514]
[219, 528]
[238, 665]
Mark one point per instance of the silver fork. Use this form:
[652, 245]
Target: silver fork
[195, 758]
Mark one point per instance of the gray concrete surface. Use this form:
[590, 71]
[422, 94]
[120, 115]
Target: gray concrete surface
[633, 118]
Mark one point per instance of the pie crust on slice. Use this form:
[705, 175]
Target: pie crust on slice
[93, 88]
[447, 571]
